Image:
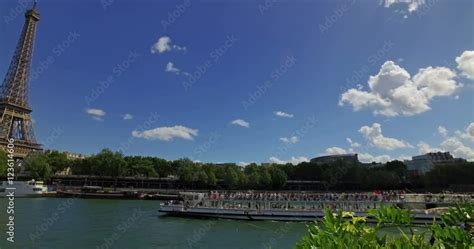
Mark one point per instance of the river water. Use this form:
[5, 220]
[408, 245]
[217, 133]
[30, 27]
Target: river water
[56, 223]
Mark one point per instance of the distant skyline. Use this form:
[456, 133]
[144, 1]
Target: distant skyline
[250, 81]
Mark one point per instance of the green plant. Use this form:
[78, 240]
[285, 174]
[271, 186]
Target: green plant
[345, 230]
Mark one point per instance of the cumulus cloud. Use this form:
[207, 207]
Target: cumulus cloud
[127, 116]
[470, 130]
[468, 134]
[466, 64]
[368, 158]
[352, 143]
[167, 133]
[243, 164]
[171, 68]
[164, 44]
[424, 148]
[411, 5]
[442, 131]
[290, 140]
[393, 92]
[96, 114]
[283, 114]
[335, 151]
[293, 160]
[241, 123]
[374, 135]
[457, 148]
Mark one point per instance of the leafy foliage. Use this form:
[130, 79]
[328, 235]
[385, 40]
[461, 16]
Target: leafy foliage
[38, 167]
[345, 230]
[338, 175]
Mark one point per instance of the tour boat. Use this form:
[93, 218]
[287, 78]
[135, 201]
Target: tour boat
[198, 206]
[30, 188]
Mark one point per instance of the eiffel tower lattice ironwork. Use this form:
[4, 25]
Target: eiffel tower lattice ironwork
[15, 111]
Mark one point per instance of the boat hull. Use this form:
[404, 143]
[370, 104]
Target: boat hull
[266, 215]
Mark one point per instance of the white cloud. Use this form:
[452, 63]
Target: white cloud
[290, 140]
[243, 164]
[424, 148]
[412, 5]
[352, 143]
[293, 160]
[283, 114]
[164, 44]
[393, 92]
[240, 122]
[466, 64]
[167, 133]
[374, 135]
[170, 67]
[96, 114]
[457, 148]
[127, 116]
[470, 129]
[335, 151]
[442, 131]
[368, 158]
[468, 134]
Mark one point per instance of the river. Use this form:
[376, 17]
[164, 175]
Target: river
[55, 223]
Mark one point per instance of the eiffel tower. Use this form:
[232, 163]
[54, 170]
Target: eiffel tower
[15, 119]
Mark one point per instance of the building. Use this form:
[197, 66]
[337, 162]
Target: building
[70, 156]
[426, 162]
[333, 158]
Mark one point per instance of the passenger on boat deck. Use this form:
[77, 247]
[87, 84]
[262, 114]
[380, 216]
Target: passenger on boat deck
[376, 196]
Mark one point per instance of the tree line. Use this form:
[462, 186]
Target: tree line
[339, 175]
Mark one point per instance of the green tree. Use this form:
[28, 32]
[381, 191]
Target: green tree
[265, 178]
[279, 178]
[211, 178]
[38, 167]
[231, 179]
[253, 180]
[202, 178]
[109, 163]
[58, 161]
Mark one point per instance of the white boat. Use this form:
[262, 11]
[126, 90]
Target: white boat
[198, 206]
[30, 188]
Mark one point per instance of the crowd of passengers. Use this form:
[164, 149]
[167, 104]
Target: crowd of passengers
[377, 196]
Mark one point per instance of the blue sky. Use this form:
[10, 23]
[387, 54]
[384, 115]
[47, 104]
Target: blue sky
[206, 79]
